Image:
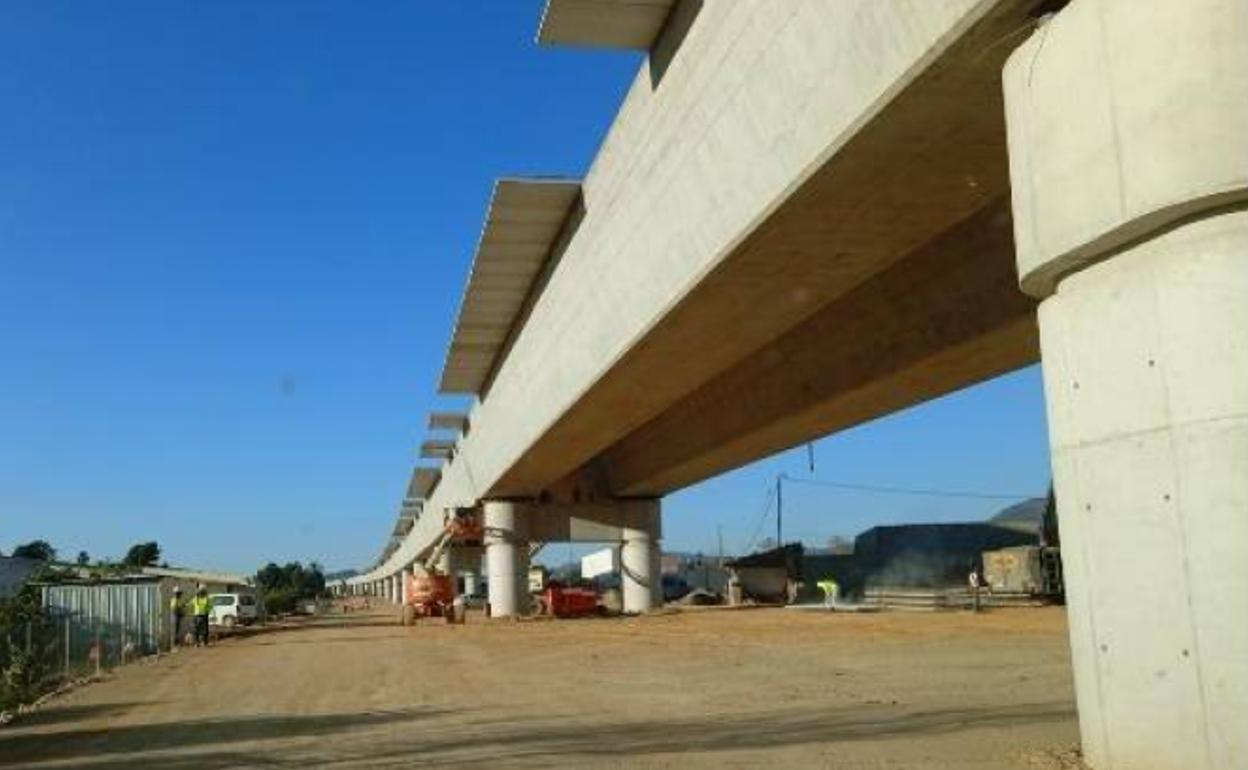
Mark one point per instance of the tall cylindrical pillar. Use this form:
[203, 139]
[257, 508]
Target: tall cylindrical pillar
[1129, 189]
[471, 582]
[469, 561]
[506, 555]
[639, 565]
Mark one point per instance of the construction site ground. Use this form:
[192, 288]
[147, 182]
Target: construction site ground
[690, 689]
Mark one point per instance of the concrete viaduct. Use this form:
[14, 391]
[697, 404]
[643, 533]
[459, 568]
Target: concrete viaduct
[812, 213]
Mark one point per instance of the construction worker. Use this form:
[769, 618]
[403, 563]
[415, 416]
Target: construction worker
[201, 608]
[976, 580]
[831, 591]
[177, 611]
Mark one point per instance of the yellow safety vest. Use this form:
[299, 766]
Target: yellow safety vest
[201, 605]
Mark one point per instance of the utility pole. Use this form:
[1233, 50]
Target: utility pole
[780, 511]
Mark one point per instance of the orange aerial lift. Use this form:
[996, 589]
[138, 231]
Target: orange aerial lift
[430, 592]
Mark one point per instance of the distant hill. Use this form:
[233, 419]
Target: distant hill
[1026, 515]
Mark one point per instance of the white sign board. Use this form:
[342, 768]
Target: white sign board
[602, 562]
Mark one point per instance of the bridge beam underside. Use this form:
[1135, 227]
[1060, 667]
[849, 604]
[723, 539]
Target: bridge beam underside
[884, 184]
[948, 315]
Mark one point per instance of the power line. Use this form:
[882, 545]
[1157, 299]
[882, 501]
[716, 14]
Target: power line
[888, 490]
[767, 501]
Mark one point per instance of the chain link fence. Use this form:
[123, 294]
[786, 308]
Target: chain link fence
[81, 631]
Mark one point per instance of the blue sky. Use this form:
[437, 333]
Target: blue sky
[233, 237]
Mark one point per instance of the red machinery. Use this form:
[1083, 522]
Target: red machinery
[568, 601]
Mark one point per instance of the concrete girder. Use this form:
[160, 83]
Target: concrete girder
[888, 184]
[948, 315]
[787, 158]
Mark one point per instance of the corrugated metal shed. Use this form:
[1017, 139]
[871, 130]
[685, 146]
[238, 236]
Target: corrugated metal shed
[227, 581]
[525, 219]
[13, 574]
[118, 613]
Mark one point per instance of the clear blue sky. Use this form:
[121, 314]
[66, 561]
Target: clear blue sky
[233, 237]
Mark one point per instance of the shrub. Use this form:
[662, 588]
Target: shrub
[26, 670]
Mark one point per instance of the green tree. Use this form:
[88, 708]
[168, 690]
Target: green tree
[283, 586]
[41, 550]
[142, 555]
[84, 558]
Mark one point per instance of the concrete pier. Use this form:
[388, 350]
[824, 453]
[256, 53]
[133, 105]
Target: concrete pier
[469, 565]
[448, 562]
[472, 582]
[506, 554]
[639, 566]
[1128, 138]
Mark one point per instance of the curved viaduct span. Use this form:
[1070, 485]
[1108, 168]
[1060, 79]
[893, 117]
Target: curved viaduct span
[810, 214]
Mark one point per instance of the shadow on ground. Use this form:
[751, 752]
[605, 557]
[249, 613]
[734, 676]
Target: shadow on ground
[59, 714]
[90, 747]
[399, 738]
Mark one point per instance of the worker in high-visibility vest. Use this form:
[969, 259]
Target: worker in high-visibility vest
[831, 591]
[177, 611]
[201, 608]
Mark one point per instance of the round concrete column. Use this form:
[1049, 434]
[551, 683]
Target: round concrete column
[1133, 231]
[506, 555]
[405, 586]
[471, 582]
[467, 565]
[639, 566]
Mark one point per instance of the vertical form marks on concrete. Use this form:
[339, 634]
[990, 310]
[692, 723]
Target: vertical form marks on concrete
[1128, 129]
[506, 553]
[1146, 372]
[639, 565]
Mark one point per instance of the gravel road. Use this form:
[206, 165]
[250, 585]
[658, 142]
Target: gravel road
[692, 689]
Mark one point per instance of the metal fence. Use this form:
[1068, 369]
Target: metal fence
[35, 656]
[83, 630]
[106, 625]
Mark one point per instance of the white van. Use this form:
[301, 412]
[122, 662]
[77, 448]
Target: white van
[231, 610]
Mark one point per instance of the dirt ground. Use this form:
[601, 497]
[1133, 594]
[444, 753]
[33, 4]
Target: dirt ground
[695, 689]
